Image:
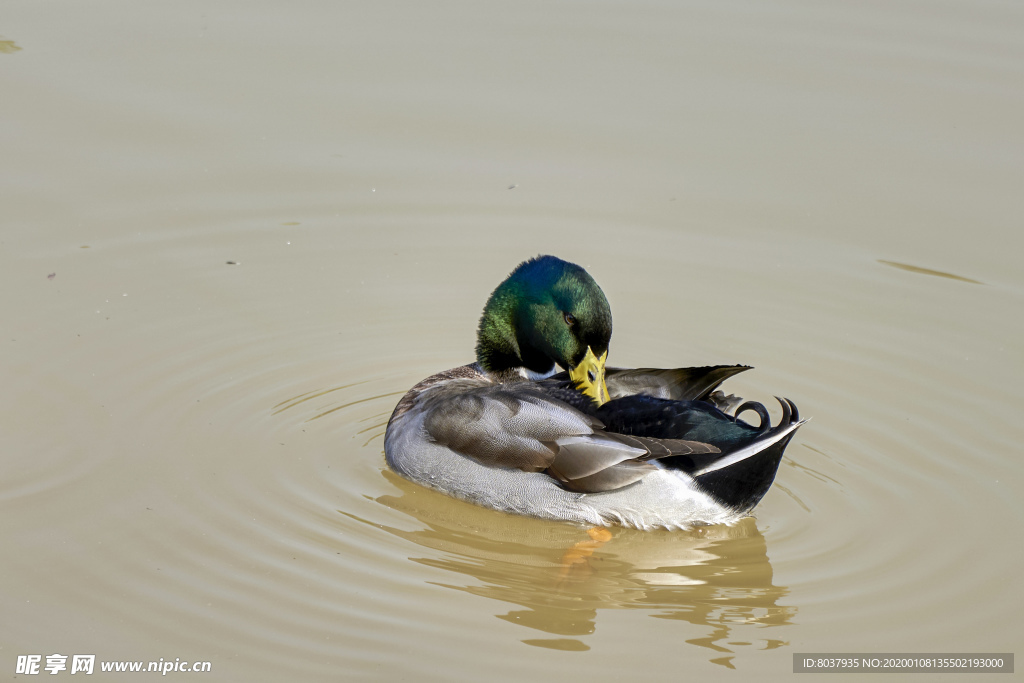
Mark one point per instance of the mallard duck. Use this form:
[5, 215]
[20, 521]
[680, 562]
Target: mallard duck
[539, 426]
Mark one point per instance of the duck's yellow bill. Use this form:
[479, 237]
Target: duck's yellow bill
[589, 376]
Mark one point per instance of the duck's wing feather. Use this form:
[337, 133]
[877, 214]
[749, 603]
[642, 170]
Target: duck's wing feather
[678, 384]
[520, 426]
[603, 461]
[501, 425]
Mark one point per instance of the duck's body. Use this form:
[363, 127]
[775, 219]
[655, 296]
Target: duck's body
[638, 448]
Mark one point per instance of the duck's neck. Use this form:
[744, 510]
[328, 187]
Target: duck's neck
[537, 376]
[500, 349]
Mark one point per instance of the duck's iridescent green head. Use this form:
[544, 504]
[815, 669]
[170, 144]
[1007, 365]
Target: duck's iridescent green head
[548, 312]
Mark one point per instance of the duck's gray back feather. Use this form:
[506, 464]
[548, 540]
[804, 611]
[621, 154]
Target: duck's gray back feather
[664, 498]
[500, 445]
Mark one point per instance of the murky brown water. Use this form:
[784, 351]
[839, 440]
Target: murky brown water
[233, 236]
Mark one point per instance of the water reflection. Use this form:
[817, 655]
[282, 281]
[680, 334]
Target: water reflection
[559, 580]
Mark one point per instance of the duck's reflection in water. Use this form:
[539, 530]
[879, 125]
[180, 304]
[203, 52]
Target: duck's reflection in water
[717, 577]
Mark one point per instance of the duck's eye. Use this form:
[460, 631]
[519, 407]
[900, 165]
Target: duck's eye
[570, 319]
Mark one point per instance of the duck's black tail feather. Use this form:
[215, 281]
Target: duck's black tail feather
[742, 466]
[741, 478]
[742, 485]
